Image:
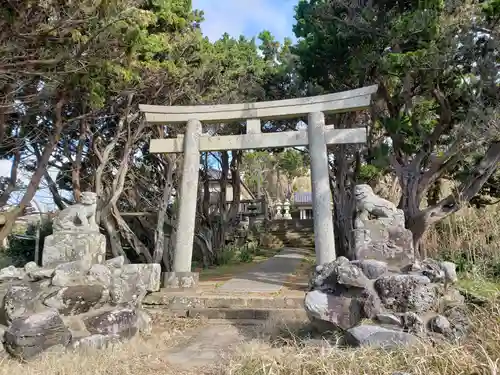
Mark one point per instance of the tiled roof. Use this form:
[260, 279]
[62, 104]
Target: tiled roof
[302, 198]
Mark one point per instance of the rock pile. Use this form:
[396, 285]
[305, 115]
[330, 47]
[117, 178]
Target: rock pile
[377, 305]
[75, 304]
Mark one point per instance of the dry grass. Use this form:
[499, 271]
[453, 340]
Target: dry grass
[140, 356]
[479, 356]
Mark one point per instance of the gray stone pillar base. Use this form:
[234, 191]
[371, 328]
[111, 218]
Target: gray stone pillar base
[180, 280]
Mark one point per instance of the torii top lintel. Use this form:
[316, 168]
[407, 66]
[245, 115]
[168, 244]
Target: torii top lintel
[253, 113]
[344, 101]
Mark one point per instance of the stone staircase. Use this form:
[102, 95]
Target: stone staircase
[239, 308]
[294, 233]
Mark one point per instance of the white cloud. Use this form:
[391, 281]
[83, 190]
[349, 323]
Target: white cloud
[246, 17]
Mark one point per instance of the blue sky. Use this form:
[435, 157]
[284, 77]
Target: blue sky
[247, 17]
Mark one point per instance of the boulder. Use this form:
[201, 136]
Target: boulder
[17, 302]
[389, 319]
[379, 337]
[71, 273]
[135, 280]
[372, 268]
[402, 293]
[450, 272]
[328, 311]
[40, 274]
[77, 299]
[117, 262]
[120, 321]
[30, 335]
[96, 341]
[11, 273]
[440, 324]
[101, 274]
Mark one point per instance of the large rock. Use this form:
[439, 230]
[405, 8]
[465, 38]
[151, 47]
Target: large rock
[372, 268]
[11, 273]
[342, 310]
[78, 299]
[330, 276]
[96, 341]
[71, 273]
[402, 293]
[121, 321]
[134, 281]
[17, 302]
[379, 337]
[62, 247]
[30, 335]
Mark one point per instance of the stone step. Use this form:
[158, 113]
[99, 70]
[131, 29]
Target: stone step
[181, 301]
[240, 315]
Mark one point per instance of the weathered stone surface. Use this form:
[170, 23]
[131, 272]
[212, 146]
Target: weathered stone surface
[412, 323]
[71, 273]
[432, 269]
[330, 275]
[62, 247]
[121, 321]
[459, 321]
[30, 266]
[11, 273]
[78, 299]
[40, 274]
[450, 272]
[18, 301]
[102, 274]
[351, 276]
[144, 322]
[391, 319]
[384, 238]
[402, 293]
[96, 341]
[372, 268]
[28, 336]
[116, 262]
[391, 244]
[379, 337]
[180, 280]
[2, 333]
[440, 324]
[135, 280]
[332, 312]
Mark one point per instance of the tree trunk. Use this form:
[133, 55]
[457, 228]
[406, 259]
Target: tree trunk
[162, 212]
[77, 163]
[11, 186]
[113, 235]
[236, 184]
[420, 222]
[39, 172]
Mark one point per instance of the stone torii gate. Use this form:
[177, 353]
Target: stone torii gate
[317, 137]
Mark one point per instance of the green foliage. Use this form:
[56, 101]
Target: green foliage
[21, 248]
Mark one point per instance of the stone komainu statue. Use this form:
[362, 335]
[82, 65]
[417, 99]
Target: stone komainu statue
[78, 217]
[369, 205]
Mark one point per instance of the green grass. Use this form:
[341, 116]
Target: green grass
[480, 287]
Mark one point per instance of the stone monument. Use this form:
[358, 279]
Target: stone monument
[380, 231]
[75, 235]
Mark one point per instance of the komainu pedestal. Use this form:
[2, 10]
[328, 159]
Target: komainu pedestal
[75, 235]
[62, 247]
